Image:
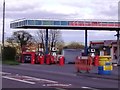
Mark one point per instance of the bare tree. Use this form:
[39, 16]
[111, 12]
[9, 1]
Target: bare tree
[53, 38]
[40, 38]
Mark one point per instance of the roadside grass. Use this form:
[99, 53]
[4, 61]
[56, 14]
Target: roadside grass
[10, 62]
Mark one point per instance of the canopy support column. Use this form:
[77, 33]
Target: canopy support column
[86, 48]
[46, 43]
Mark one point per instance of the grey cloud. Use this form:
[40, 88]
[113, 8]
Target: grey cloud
[20, 8]
[31, 11]
[111, 11]
[97, 8]
[35, 15]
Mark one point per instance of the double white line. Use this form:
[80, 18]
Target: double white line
[24, 81]
[7, 76]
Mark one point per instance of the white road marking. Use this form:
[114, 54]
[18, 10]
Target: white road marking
[60, 89]
[6, 77]
[90, 88]
[25, 78]
[39, 79]
[44, 85]
[64, 85]
[85, 87]
[4, 73]
[94, 78]
[31, 80]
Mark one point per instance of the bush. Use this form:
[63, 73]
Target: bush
[9, 53]
[10, 62]
[74, 45]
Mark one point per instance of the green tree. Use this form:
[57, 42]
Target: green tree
[21, 37]
[74, 45]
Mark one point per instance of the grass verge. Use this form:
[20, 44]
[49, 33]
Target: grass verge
[10, 62]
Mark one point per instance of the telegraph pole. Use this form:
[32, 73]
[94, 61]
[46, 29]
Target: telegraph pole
[3, 29]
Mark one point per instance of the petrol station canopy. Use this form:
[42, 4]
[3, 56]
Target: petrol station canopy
[62, 24]
[68, 24]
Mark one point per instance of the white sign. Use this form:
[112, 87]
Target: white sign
[54, 54]
[54, 49]
[40, 49]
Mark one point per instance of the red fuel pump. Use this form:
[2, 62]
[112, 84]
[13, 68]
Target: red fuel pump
[32, 57]
[62, 61]
[48, 59]
[28, 57]
[52, 59]
[41, 59]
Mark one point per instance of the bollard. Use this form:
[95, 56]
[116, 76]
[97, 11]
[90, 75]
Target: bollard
[22, 58]
[77, 61]
[105, 66]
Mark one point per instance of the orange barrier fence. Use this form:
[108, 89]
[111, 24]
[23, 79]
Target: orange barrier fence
[83, 63]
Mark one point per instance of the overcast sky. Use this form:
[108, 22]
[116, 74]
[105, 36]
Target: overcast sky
[62, 9]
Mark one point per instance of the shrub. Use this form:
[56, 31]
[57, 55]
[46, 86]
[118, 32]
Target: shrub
[9, 53]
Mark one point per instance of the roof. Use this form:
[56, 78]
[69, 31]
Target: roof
[103, 42]
[65, 24]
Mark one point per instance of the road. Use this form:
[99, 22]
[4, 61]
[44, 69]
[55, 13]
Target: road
[50, 76]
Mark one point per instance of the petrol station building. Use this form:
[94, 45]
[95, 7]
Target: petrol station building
[106, 47]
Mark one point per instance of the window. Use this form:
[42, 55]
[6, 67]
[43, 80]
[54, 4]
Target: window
[38, 22]
[22, 23]
[11, 25]
[47, 23]
[64, 23]
[56, 22]
[30, 22]
[25, 22]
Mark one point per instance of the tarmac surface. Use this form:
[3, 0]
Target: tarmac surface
[56, 76]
